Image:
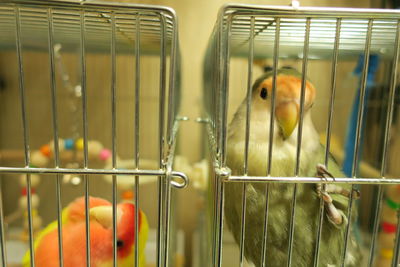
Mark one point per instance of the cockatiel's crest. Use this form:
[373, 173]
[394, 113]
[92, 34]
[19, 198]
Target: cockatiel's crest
[287, 115]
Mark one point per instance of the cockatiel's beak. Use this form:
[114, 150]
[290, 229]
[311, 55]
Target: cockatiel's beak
[287, 110]
[287, 116]
[103, 215]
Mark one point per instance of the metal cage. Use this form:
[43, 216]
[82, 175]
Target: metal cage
[244, 35]
[85, 30]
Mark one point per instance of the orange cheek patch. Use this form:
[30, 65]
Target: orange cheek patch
[290, 87]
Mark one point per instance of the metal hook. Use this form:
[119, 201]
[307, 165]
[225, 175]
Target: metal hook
[185, 180]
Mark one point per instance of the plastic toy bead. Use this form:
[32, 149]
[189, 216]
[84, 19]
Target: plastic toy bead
[105, 154]
[79, 144]
[38, 159]
[24, 191]
[386, 253]
[389, 227]
[393, 205]
[45, 149]
[68, 144]
[127, 195]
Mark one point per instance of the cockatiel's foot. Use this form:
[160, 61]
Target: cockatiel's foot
[334, 215]
[323, 173]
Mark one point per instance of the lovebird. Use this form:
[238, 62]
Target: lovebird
[101, 244]
[336, 197]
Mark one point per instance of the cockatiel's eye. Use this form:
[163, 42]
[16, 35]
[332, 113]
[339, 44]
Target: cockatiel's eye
[264, 93]
[120, 243]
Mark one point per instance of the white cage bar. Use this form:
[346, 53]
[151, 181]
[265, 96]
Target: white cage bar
[250, 32]
[110, 29]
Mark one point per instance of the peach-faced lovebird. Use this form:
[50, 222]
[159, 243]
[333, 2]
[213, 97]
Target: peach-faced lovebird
[335, 197]
[101, 241]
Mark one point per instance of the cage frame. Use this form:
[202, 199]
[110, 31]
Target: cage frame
[219, 54]
[167, 177]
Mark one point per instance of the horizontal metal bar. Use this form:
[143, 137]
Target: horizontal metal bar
[319, 12]
[311, 180]
[184, 180]
[96, 5]
[91, 171]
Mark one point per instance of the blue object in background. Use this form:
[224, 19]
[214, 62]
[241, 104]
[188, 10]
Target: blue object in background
[69, 144]
[352, 124]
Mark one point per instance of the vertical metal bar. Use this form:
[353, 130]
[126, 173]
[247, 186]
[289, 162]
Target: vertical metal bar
[212, 112]
[172, 74]
[216, 200]
[171, 116]
[214, 219]
[160, 230]
[221, 129]
[114, 218]
[247, 136]
[299, 136]
[333, 89]
[85, 134]
[53, 87]
[358, 132]
[396, 248]
[225, 88]
[113, 136]
[30, 223]
[163, 69]
[216, 134]
[167, 218]
[248, 98]
[22, 87]
[217, 90]
[388, 126]
[220, 222]
[3, 250]
[55, 133]
[170, 132]
[271, 136]
[25, 130]
[362, 97]
[137, 135]
[328, 133]
[303, 93]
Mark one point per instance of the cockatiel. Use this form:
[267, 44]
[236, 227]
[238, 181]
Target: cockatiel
[287, 113]
[101, 245]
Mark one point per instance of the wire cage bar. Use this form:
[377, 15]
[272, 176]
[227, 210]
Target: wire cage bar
[87, 29]
[244, 36]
